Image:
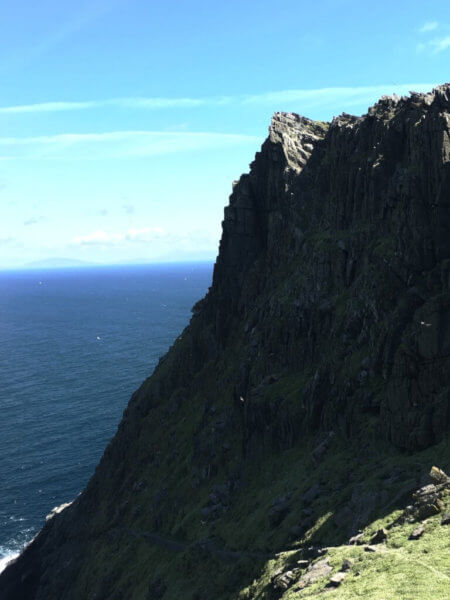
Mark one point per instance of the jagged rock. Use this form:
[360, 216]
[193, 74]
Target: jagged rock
[284, 580]
[445, 519]
[438, 476]
[428, 510]
[380, 536]
[316, 571]
[427, 501]
[337, 579]
[313, 552]
[302, 563]
[57, 510]
[356, 539]
[347, 565]
[417, 533]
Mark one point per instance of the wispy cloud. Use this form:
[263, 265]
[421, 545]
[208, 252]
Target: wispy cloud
[6, 240]
[436, 45]
[128, 209]
[428, 26]
[101, 237]
[125, 103]
[275, 98]
[116, 144]
[349, 95]
[47, 107]
[439, 45]
[33, 220]
[154, 241]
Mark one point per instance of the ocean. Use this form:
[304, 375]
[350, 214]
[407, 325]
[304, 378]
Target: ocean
[74, 345]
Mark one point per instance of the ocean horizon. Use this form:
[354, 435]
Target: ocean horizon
[75, 344]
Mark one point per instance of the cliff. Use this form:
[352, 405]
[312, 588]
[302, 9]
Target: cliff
[309, 394]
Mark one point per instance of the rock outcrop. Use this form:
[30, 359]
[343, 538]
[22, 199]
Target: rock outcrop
[328, 318]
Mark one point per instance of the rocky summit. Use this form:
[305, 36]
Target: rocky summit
[282, 447]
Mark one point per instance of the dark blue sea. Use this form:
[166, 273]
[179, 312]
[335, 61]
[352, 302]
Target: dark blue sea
[74, 345]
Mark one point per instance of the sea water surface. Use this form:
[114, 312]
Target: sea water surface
[74, 345]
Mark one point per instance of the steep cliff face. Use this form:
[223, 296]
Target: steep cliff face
[327, 323]
[339, 261]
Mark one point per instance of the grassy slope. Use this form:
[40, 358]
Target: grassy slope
[400, 569]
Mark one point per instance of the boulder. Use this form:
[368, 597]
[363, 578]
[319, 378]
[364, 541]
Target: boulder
[316, 571]
[356, 539]
[336, 580]
[302, 563]
[57, 510]
[417, 533]
[438, 476]
[284, 580]
[347, 565]
[380, 536]
[445, 519]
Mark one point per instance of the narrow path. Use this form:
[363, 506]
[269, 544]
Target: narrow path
[208, 545]
[424, 565]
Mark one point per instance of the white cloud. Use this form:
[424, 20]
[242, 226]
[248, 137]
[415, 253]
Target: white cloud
[145, 234]
[349, 95]
[151, 242]
[98, 237]
[6, 240]
[435, 45]
[429, 26]
[101, 237]
[128, 209]
[132, 103]
[308, 96]
[115, 144]
[47, 107]
[439, 45]
[33, 220]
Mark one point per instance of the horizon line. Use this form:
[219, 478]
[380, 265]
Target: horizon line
[88, 265]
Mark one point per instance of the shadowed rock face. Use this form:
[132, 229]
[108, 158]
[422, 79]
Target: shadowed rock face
[333, 276]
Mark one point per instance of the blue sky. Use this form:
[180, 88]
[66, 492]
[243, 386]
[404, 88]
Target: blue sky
[124, 123]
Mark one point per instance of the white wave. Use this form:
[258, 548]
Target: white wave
[4, 560]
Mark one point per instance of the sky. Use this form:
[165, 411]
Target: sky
[123, 123]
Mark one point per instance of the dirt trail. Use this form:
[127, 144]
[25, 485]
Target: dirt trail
[207, 545]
